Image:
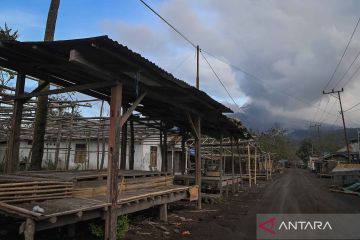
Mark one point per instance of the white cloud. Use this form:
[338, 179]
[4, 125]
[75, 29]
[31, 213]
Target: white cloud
[292, 46]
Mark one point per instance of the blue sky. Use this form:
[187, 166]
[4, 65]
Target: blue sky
[76, 19]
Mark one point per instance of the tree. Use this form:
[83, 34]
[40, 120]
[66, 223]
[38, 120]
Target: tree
[7, 33]
[305, 150]
[276, 140]
[42, 103]
[6, 76]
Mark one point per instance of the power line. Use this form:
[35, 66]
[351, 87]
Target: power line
[352, 76]
[352, 107]
[229, 64]
[218, 78]
[342, 56]
[347, 70]
[194, 45]
[169, 24]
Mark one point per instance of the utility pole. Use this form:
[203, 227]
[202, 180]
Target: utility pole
[343, 119]
[317, 126]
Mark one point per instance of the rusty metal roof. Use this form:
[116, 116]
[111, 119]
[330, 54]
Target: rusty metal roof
[168, 98]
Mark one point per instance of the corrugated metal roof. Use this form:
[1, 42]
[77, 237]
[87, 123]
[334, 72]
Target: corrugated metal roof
[168, 100]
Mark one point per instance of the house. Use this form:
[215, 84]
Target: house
[346, 173]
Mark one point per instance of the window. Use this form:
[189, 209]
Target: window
[153, 157]
[80, 153]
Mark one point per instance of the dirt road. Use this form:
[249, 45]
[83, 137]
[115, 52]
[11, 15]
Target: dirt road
[294, 191]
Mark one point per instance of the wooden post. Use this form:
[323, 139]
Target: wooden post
[249, 163]
[98, 137]
[123, 146]
[183, 153]
[232, 164]
[270, 166]
[165, 151]
[67, 162]
[198, 160]
[29, 231]
[12, 156]
[266, 166]
[221, 163]
[57, 145]
[240, 167]
[113, 161]
[172, 161]
[163, 212]
[132, 145]
[255, 163]
[162, 148]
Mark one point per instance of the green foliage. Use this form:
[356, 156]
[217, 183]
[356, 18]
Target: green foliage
[7, 33]
[97, 230]
[122, 227]
[50, 165]
[276, 140]
[305, 150]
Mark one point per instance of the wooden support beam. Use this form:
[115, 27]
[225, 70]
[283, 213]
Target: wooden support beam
[239, 156]
[113, 161]
[163, 212]
[255, 163]
[266, 166]
[249, 164]
[129, 111]
[73, 88]
[165, 146]
[232, 164]
[183, 152]
[198, 160]
[221, 162]
[132, 145]
[12, 156]
[123, 146]
[192, 125]
[29, 232]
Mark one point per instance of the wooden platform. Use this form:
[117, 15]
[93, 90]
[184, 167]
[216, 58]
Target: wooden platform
[209, 182]
[87, 200]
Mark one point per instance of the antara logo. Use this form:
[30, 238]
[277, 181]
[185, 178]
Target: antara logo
[305, 225]
[271, 223]
[269, 226]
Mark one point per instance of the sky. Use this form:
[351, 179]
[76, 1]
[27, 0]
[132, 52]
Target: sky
[290, 48]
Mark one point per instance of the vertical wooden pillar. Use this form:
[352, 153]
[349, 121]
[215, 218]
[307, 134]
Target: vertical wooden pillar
[166, 167]
[123, 146]
[198, 160]
[249, 164]
[183, 153]
[113, 161]
[12, 156]
[232, 164]
[29, 231]
[221, 162]
[266, 167]
[163, 212]
[270, 165]
[172, 161]
[132, 145]
[67, 162]
[162, 148]
[255, 163]
[240, 167]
